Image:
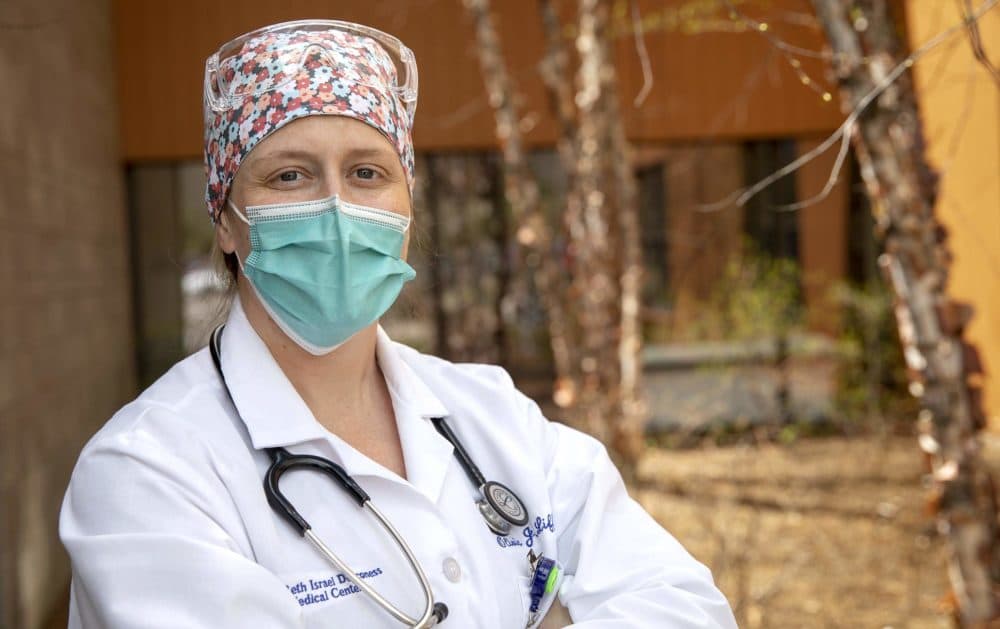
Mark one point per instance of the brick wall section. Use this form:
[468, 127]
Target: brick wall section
[701, 243]
[66, 355]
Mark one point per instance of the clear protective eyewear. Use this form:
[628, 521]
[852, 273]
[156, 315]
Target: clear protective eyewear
[223, 93]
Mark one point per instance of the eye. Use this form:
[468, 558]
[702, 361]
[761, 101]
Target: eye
[366, 173]
[289, 176]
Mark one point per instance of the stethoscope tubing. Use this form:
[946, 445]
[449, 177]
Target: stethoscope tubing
[281, 462]
[367, 589]
[499, 505]
[471, 469]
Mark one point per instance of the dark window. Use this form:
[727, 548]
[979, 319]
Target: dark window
[862, 248]
[653, 228]
[774, 231]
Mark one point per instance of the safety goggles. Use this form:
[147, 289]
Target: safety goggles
[236, 74]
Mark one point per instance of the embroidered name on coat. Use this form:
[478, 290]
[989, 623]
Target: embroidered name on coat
[323, 588]
[530, 533]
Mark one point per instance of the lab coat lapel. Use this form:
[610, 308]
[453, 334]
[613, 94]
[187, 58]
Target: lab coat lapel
[426, 454]
[271, 408]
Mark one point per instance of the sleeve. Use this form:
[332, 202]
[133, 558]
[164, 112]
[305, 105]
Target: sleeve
[151, 539]
[622, 568]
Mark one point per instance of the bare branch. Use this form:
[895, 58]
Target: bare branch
[640, 49]
[788, 52]
[764, 30]
[554, 69]
[739, 197]
[963, 121]
[972, 25]
[845, 145]
[797, 18]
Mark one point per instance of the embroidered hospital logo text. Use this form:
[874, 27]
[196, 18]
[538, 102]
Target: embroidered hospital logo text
[530, 533]
[319, 589]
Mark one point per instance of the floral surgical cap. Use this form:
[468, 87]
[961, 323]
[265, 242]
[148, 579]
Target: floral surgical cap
[345, 74]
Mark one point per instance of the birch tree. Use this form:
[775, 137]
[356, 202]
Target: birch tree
[876, 90]
[592, 296]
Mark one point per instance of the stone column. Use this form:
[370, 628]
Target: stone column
[66, 342]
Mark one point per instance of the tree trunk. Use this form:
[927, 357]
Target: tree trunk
[467, 283]
[531, 230]
[594, 287]
[902, 187]
[628, 432]
[596, 350]
[607, 245]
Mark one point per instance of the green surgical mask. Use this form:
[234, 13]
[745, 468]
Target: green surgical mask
[325, 269]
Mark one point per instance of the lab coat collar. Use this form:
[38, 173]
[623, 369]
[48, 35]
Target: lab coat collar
[270, 407]
[426, 454]
[275, 414]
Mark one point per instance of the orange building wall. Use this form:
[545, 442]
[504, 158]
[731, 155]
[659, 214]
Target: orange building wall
[742, 89]
[822, 237]
[960, 104]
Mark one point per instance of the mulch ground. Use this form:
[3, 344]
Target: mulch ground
[830, 532]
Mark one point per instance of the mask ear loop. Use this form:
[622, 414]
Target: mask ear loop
[243, 218]
[238, 213]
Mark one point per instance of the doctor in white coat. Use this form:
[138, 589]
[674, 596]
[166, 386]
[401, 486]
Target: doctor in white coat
[495, 511]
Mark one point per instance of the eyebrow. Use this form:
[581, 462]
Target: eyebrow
[285, 154]
[355, 153]
[364, 153]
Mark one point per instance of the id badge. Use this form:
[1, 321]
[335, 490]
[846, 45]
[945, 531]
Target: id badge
[546, 575]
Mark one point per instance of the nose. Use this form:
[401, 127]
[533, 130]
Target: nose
[333, 184]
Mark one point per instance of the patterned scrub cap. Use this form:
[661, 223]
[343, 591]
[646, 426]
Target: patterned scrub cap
[313, 72]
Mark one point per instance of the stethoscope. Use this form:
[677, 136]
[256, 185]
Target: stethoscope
[498, 504]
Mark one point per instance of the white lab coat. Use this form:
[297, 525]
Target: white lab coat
[167, 525]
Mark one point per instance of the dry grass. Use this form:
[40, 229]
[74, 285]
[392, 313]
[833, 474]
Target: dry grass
[820, 533]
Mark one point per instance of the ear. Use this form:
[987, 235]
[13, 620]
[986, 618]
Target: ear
[225, 235]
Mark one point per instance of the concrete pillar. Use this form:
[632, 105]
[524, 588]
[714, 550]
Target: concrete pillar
[66, 349]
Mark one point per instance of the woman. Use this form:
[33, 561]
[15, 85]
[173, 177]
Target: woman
[310, 175]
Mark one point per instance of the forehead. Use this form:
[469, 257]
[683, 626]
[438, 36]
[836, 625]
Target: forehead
[323, 137]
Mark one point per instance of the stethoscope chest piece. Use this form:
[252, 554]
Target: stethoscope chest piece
[499, 505]
[501, 508]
